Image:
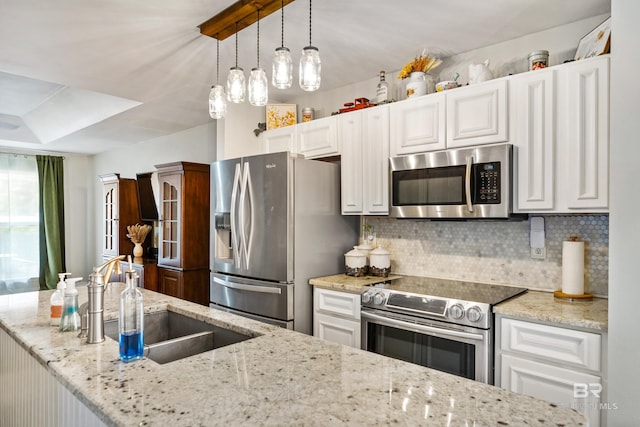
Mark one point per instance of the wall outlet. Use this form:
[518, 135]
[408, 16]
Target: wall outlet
[539, 253]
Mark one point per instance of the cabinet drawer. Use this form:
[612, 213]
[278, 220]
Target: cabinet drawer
[337, 330]
[552, 343]
[337, 303]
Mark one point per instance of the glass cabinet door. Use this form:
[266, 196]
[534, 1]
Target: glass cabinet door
[110, 218]
[169, 247]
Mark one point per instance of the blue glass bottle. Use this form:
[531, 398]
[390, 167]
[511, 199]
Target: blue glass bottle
[131, 321]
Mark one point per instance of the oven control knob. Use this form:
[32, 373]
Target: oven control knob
[456, 311]
[378, 298]
[366, 297]
[474, 314]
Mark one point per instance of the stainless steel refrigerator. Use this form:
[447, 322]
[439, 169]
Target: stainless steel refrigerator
[276, 223]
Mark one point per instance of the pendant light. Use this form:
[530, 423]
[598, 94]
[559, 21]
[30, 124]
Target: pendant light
[217, 97]
[258, 83]
[282, 70]
[236, 84]
[309, 73]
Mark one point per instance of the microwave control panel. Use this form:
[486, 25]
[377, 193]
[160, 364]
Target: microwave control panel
[487, 183]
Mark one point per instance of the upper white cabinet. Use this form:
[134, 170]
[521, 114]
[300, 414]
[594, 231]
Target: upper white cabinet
[418, 125]
[559, 122]
[318, 138]
[281, 139]
[477, 114]
[364, 140]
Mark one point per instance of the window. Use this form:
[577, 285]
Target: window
[19, 233]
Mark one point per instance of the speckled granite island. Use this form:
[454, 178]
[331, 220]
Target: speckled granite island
[279, 377]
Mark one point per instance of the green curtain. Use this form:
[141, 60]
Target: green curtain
[51, 188]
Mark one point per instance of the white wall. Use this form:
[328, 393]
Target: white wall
[77, 214]
[237, 139]
[624, 256]
[193, 145]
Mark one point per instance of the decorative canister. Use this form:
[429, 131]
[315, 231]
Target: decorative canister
[538, 59]
[417, 85]
[355, 263]
[380, 262]
[366, 249]
[307, 114]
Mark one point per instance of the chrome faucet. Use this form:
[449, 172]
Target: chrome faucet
[92, 312]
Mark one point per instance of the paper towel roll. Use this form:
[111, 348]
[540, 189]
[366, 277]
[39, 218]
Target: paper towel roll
[573, 268]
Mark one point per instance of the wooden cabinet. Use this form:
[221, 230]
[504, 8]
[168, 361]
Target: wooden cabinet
[560, 128]
[183, 253]
[364, 139]
[281, 139]
[417, 125]
[147, 270]
[336, 317]
[318, 138]
[477, 114]
[119, 209]
[563, 366]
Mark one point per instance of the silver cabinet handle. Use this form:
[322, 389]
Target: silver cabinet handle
[467, 183]
[243, 287]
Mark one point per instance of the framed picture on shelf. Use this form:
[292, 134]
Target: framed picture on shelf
[597, 42]
[281, 115]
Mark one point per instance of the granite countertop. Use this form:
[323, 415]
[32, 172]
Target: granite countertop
[544, 307]
[342, 282]
[279, 377]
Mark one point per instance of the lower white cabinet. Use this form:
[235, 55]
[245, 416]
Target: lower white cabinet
[336, 316]
[563, 366]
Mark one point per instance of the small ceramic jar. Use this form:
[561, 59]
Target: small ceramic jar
[355, 263]
[380, 262]
[366, 248]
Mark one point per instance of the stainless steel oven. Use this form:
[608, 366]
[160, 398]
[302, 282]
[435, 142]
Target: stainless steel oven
[441, 324]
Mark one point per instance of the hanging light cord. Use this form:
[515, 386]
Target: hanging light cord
[282, 24]
[217, 60]
[258, 38]
[309, 22]
[236, 44]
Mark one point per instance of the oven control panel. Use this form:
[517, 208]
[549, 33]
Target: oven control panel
[447, 309]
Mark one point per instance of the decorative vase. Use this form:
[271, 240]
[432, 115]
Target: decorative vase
[137, 250]
[417, 86]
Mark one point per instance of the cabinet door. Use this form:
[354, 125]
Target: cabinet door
[351, 164]
[318, 138]
[561, 386]
[170, 282]
[375, 154]
[170, 231]
[337, 330]
[417, 125]
[477, 114]
[533, 114]
[110, 218]
[282, 139]
[587, 134]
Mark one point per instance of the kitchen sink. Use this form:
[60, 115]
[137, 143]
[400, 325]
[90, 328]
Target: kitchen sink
[169, 336]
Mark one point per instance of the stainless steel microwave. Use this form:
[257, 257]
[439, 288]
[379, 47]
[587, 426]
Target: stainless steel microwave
[461, 183]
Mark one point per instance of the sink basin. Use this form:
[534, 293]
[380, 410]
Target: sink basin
[170, 336]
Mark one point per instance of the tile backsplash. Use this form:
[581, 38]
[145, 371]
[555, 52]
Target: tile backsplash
[495, 251]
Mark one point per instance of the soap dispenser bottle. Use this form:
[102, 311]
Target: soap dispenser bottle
[70, 320]
[57, 300]
[131, 321]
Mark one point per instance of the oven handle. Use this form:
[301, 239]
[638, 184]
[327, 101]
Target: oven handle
[422, 328]
[467, 184]
[243, 287]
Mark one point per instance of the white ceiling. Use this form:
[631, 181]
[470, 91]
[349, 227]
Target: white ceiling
[87, 76]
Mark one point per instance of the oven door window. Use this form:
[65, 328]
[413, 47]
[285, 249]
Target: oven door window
[433, 186]
[443, 354]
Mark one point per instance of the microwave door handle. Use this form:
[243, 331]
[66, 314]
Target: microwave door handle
[235, 237]
[467, 183]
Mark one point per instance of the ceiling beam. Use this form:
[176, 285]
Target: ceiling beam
[242, 12]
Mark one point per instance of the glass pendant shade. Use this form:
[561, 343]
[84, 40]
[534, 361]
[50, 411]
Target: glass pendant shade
[217, 102]
[236, 85]
[258, 87]
[310, 69]
[282, 70]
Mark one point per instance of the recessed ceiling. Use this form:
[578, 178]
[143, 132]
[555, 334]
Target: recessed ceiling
[149, 59]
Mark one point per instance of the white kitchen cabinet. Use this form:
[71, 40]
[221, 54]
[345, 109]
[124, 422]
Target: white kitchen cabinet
[281, 139]
[532, 112]
[336, 316]
[561, 365]
[364, 139]
[418, 125]
[477, 114]
[318, 138]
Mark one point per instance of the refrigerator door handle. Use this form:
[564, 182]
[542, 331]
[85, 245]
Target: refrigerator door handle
[235, 237]
[243, 287]
[248, 193]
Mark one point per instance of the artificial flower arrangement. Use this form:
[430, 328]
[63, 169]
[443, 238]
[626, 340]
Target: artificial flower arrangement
[423, 63]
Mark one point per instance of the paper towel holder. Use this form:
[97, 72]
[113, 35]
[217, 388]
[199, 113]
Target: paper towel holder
[572, 297]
